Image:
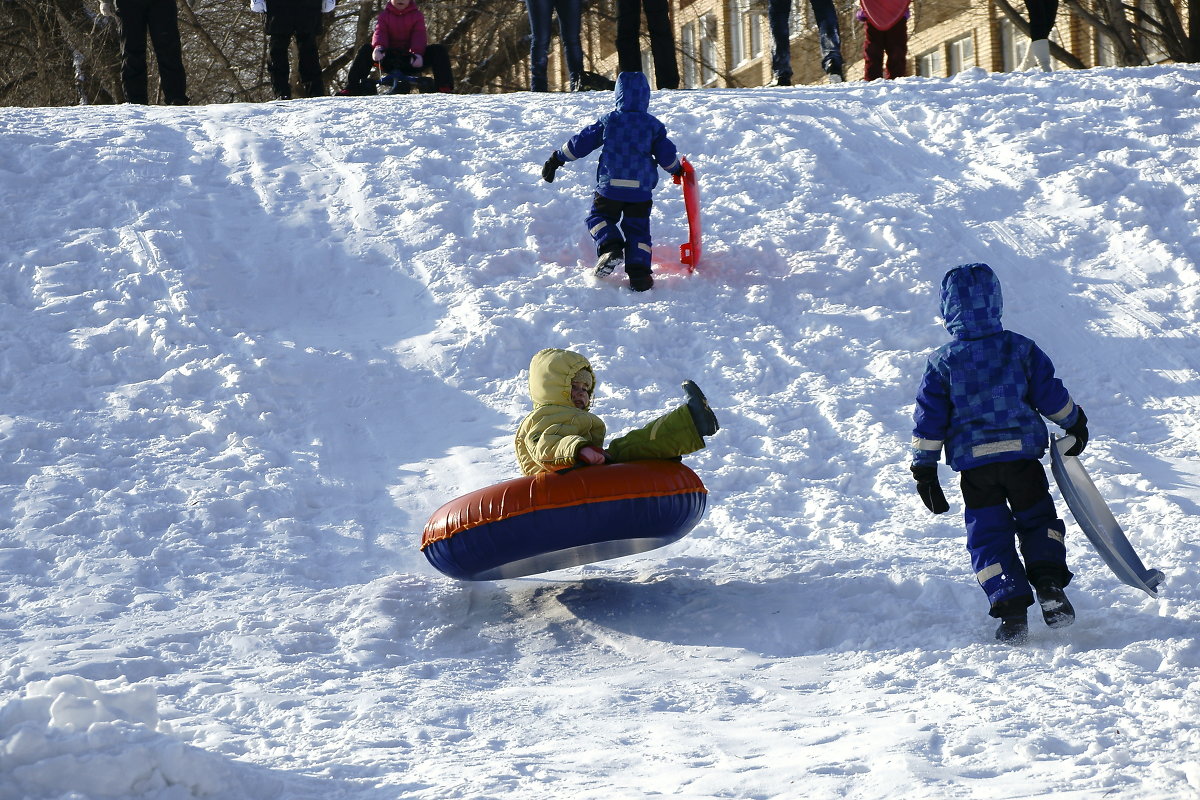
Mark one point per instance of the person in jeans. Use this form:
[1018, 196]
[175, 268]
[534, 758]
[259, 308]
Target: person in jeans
[662, 40]
[570, 23]
[779, 14]
[159, 19]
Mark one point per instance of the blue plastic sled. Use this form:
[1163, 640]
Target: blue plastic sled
[1098, 522]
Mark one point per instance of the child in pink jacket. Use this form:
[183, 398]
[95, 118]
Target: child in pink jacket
[399, 44]
[886, 34]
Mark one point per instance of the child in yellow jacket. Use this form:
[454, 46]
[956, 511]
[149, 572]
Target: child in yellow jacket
[561, 432]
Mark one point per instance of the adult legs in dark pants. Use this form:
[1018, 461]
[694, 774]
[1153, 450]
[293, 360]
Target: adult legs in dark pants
[662, 40]
[301, 22]
[570, 23]
[1041, 17]
[159, 19]
[779, 18]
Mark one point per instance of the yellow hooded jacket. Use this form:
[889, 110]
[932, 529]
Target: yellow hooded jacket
[550, 437]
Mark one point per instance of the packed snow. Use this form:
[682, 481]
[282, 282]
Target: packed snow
[247, 350]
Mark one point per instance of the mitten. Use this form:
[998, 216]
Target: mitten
[551, 166]
[930, 490]
[107, 9]
[1080, 432]
[377, 54]
[591, 455]
[417, 61]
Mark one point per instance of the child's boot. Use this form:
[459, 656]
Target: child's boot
[611, 256]
[1014, 629]
[702, 416]
[1056, 608]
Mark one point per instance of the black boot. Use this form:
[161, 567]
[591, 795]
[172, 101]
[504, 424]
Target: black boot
[1013, 629]
[1056, 608]
[611, 257]
[702, 416]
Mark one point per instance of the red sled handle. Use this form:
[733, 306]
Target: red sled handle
[685, 170]
[689, 252]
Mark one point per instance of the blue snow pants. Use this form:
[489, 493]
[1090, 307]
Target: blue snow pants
[616, 225]
[1008, 507]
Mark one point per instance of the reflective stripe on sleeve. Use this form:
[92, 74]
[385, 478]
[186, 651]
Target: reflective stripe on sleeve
[1064, 413]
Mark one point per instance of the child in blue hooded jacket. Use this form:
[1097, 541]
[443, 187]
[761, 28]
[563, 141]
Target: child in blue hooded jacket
[982, 398]
[634, 145]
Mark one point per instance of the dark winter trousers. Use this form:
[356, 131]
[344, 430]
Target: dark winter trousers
[662, 40]
[159, 19]
[437, 60]
[1009, 503]
[779, 13]
[893, 43]
[570, 23]
[1041, 17]
[621, 226]
[304, 26]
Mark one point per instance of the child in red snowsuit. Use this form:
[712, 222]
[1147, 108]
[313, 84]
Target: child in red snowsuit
[886, 24]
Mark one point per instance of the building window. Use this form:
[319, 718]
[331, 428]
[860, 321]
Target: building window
[962, 54]
[737, 34]
[756, 32]
[1013, 45]
[932, 64]
[1106, 51]
[1154, 51]
[708, 49]
[687, 46]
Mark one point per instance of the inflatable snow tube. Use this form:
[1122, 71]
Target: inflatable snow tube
[557, 520]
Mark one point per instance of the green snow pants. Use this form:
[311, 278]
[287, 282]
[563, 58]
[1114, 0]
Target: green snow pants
[669, 436]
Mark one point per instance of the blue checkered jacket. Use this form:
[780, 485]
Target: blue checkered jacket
[633, 141]
[984, 394]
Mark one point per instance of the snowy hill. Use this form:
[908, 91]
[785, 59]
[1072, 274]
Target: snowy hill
[246, 350]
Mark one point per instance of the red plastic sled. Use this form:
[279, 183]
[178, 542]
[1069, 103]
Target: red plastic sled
[689, 251]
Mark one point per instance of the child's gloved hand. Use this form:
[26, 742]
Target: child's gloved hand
[930, 490]
[551, 166]
[592, 455]
[1080, 432]
[377, 54]
[417, 60]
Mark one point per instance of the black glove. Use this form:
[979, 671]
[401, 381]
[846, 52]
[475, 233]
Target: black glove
[1080, 432]
[551, 166]
[929, 489]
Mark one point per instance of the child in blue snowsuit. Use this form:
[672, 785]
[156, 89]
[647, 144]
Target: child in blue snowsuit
[633, 142]
[982, 398]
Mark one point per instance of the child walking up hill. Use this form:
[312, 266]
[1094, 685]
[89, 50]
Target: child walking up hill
[982, 399]
[634, 144]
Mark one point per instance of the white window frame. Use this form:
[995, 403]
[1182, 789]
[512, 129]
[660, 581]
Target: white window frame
[932, 63]
[962, 53]
[709, 49]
